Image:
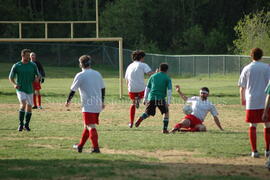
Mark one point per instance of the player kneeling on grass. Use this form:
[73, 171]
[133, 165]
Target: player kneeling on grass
[92, 92]
[200, 107]
[159, 85]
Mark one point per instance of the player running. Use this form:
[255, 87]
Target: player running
[37, 85]
[26, 73]
[158, 87]
[92, 91]
[252, 82]
[200, 107]
[135, 80]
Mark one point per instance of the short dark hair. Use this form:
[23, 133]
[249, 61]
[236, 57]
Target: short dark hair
[137, 55]
[163, 67]
[85, 61]
[24, 51]
[256, 53]
[205, 89]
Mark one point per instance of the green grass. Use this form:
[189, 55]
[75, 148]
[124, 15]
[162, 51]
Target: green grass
[138, 153]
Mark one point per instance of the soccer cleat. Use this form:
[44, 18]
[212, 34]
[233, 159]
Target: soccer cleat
[20, 128]
[266, 153]
[174, 130]
[79, 148]
[137, 101]
[34, 107]
[40, 107]
[27, 128]
[267, 164]
[255, 154]
[165, 131]
[95, 150]
[130, 125]
[137, 124]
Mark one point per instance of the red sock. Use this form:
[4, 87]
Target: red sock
[84, 138]
[267, 138]
[132, 110]
[178, 126]
[35, 100]
[94, 137]
[253, 138]
[39, 100]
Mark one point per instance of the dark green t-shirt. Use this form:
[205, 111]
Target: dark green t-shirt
[25, 76]
[267, 89]
[158, 85]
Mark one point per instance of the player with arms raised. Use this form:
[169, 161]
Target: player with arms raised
[92, 91]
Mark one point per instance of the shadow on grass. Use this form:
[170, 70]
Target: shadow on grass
[95, 167]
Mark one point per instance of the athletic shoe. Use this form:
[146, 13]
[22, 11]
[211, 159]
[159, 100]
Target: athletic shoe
[34, 107]
[27, 128]
[137, 101]
[137, 124]
[266, 153]
[165, 131]
[267, 164]
[20, 128]
[130, 125]
[174, 130]
[95, 150]
[79, 148]
[40, 107]
[255, 154]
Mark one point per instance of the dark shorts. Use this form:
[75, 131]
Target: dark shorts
[151, 107]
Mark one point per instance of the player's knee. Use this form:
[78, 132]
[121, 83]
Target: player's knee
[90, 126]
[202, 128]
[185, 123]
[252, 125]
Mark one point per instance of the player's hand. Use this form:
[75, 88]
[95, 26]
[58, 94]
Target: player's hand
[145, 102]
[243, 102]
[157, 70]
[265, 116]
[16, 86]
[177, 88]
[67, 104]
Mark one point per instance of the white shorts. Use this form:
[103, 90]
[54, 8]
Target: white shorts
[22, 96]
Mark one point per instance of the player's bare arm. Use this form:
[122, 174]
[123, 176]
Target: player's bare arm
[70, 96]
[242, 96]
[177, 88]
[216, 119]
[265, 115]
[103, 97]
[12, 81]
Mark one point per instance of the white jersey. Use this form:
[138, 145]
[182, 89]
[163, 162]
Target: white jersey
[135, 76]
[89, 82]
[200, 108]
[254, 78]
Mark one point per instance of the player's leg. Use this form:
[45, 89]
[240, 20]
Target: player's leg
[149, 111]
[93, 135]
[267, 138]
[34, 98]
[28, 114]
[132, 109]
[199, 127]
[22, 99]
[185, 123]
[253, 139]
[164, 109]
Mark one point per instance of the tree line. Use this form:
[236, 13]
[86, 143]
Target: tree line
[158, 26]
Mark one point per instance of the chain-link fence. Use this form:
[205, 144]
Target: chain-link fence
[66, 54]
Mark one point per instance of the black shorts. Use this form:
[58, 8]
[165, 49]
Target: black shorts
[151, 107]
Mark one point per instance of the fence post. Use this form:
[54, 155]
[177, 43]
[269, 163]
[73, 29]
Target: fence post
[59, 54]
[194, 73]
[208, 64]
[179, 66]
[239, 64]
[224, 65]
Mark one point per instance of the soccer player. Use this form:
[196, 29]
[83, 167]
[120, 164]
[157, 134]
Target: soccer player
[26, 73]
[158, 87]
[200, 107]
[92, 91]
[265, 118]
[252, 82]
[135, 80]
[37, 85]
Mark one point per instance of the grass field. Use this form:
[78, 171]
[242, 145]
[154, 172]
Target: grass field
[138, 153]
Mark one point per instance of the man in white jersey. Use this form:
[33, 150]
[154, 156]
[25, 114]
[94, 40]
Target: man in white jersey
[135, 80]
[200, 107]
[252, 82]
[92, 91]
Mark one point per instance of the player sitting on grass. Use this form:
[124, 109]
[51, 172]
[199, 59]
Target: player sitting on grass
[92, 91]
[200, 107]
[135, 81]
[159, 85]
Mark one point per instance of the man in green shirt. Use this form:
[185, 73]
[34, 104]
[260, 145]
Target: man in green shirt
[26, 73]
[158, 87]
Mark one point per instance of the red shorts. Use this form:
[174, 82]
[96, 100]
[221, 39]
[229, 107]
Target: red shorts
[193, 120]
[255, 116]
[90, 118]
[132, 95]
[36, 85]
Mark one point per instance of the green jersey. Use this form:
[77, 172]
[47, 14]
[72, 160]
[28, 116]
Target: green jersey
[267, 89]
[158, 85]
[25, 76]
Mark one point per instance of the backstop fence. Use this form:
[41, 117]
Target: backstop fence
[66, 54]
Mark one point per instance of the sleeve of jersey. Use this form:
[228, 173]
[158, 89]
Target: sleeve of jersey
[146, 92]
[213, 110]
[242, 80]
[12, 72]
[76, 83]
[149, 84]
[147, 69]
[170, 84]
[169, 94]
[267, 89]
